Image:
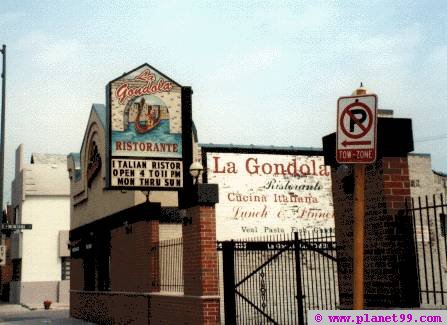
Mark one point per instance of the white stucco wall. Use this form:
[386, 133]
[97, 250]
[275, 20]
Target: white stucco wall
[423, 181]
[40, 246]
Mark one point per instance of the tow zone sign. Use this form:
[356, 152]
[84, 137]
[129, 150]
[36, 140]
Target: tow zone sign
[357, 129]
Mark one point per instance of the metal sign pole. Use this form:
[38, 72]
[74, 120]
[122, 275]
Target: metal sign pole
[2, 150]
[359, 231]
[356, 144]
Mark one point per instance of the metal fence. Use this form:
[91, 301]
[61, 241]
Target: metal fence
[429, 225]
[276, 280]
[170, 258]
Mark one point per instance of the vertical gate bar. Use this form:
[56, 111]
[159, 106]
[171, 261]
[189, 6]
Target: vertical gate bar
[292, 278]
[312, 274]
[243, 266]
[437, 245]
[427, 209]
[306, 275]
[170, 251]
[264, 256]
[162, 252]
[244, 313]
[325, 270]
[283, 286]
[277, 310]
[331, 268]
[445, 233]
[282, 314]
[423, 250]
[229, 283]
[258, 259]
[282, 289]
[299, 286]
[289, 288]
[248, 263]
[290, 299]
[327, 284]
[416, 245]
[171, 264]
[334, 270]
[275, 279]
[288, 259]
[249, 256]
[319, 274]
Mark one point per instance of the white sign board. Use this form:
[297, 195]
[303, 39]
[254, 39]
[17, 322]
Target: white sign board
[269, 194]
[356, 129]
[2, 255]
[146, 173]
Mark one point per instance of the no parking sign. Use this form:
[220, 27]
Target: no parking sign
[356, 129]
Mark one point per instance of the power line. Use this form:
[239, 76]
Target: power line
[432, 138]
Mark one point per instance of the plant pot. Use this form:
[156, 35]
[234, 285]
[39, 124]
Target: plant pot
[46, 305]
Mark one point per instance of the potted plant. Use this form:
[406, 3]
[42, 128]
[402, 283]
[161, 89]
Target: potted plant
[47, 304]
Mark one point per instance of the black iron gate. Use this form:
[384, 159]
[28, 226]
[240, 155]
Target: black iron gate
[276, 281]
[429, 216]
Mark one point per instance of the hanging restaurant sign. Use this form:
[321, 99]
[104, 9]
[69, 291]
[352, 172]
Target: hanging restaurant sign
[146, 143]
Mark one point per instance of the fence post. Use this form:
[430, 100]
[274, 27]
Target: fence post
[299, 285]
[228, 281]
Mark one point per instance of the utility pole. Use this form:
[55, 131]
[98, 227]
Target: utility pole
[2, 148]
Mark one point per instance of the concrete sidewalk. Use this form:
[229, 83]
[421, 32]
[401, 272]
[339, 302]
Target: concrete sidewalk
[16, 308]
[6, 308]
[54, 305]
[19, 315]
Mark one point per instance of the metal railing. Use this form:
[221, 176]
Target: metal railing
[429, 226]
[170, 258]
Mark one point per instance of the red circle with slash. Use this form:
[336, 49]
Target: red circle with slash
[365, 129]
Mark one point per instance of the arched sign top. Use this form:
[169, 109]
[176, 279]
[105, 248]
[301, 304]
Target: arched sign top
[356, 129]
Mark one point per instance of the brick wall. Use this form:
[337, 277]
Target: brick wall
[131, 265]
[110, 307]
[396, 186]
[134, 271]
[184, 310]
[387, 236]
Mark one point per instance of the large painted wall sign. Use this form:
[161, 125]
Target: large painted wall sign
[262, 193]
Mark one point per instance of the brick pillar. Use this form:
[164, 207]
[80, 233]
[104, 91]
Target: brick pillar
[390, 265]
[200, 268]
[396, 188]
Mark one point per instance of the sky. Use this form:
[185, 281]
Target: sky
[262, 72]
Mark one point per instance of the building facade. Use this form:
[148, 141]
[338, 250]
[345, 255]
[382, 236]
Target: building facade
[40, 255]
[114, 231]
[423, 180]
